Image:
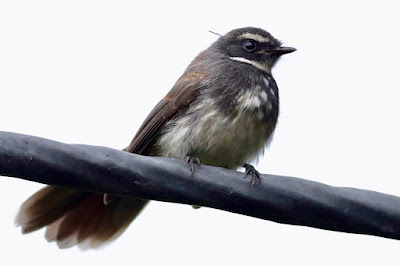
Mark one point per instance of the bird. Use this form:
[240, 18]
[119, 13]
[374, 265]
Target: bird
[222, 111]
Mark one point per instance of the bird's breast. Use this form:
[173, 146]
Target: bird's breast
[221, 137]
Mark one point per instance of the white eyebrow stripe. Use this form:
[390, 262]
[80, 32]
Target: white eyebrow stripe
[256, 37]
[263, 67]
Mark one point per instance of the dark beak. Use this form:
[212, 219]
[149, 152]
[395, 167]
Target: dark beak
[282, 50]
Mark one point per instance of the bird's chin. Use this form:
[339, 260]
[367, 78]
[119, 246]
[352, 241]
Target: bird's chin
[271, 62]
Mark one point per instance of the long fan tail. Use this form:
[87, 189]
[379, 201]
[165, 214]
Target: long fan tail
[77, 217]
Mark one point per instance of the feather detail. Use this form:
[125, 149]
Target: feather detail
[76, 217]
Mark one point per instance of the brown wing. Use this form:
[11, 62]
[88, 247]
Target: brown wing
[180, 96]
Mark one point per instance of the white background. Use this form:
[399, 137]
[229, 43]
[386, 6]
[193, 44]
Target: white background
[90, 71]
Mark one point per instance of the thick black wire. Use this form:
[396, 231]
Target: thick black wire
[281, 199]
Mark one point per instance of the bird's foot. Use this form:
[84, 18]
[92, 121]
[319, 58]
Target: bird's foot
[255, 175]
[193, 162]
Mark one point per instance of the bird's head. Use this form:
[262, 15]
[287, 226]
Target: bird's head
[254, 46]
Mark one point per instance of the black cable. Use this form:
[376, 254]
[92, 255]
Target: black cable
[281, 199]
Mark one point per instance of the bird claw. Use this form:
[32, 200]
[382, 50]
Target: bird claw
[255, 175]
[107, 198]
[192, 162]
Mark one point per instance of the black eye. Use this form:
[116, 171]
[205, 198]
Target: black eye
[250, 45]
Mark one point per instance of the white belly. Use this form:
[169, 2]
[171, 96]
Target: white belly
[215, 138]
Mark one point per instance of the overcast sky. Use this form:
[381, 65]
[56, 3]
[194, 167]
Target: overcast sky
[90, 71]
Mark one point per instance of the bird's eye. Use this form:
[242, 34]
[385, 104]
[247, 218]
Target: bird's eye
[250, 45]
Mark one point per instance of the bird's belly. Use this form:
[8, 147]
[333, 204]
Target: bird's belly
[216, 138]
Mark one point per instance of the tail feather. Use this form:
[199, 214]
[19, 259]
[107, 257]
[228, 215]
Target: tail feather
[65, 230]
[46, 206]
[77, 218]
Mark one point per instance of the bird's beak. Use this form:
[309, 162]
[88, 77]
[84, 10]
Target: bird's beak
[282, 50]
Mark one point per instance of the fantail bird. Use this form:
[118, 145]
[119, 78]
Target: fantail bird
[222, 111]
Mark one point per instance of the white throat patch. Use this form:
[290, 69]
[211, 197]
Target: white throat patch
[263, 67]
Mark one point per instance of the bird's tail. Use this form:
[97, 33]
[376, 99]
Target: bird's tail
[77, 217]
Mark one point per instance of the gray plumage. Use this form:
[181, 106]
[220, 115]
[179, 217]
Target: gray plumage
[222, 110]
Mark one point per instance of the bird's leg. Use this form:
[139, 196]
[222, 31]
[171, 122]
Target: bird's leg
[255, 175]
[192, 162]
